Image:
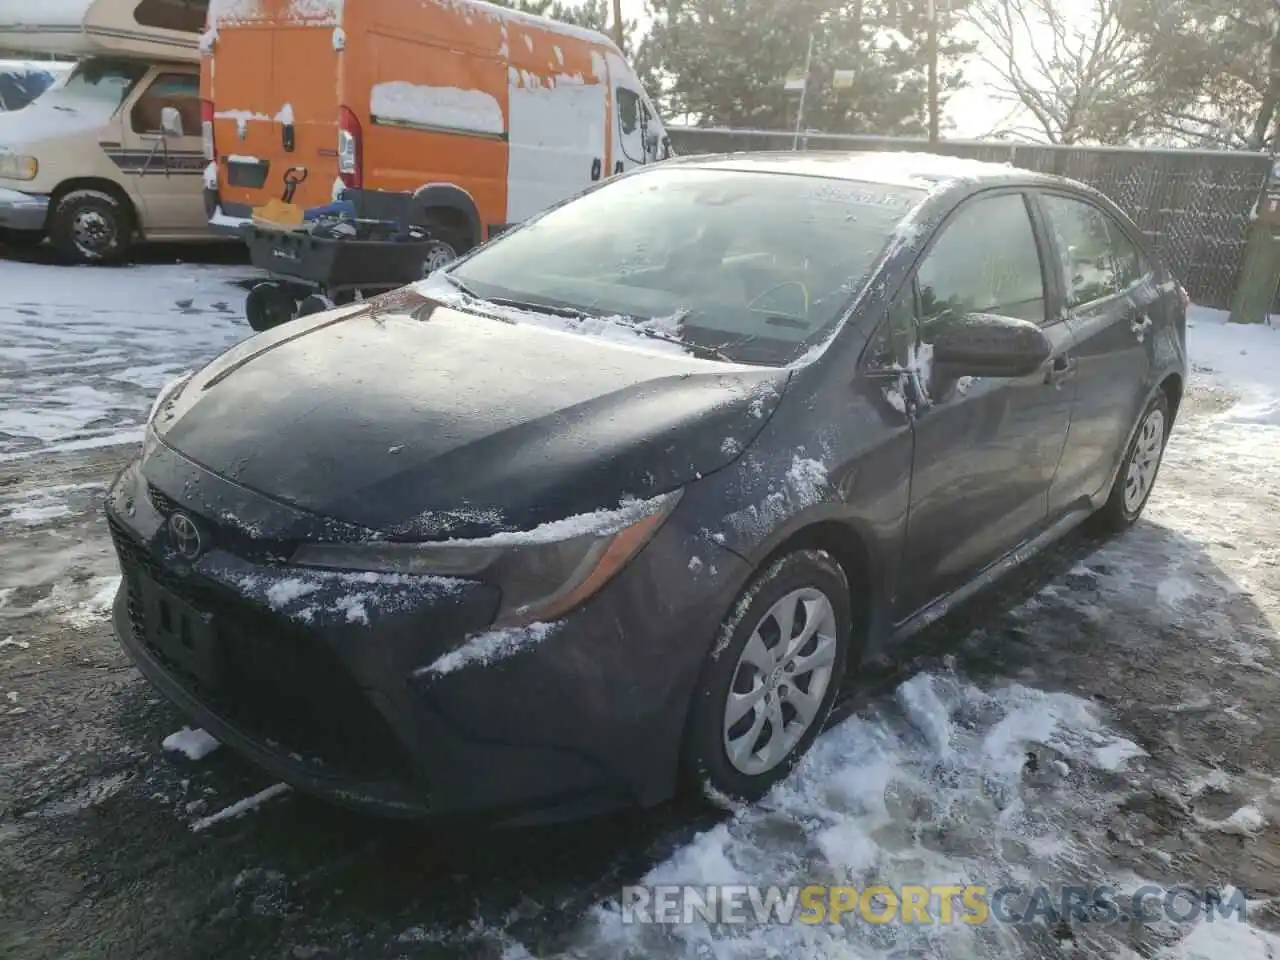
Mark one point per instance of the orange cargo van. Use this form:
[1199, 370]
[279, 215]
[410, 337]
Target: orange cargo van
[456, 115]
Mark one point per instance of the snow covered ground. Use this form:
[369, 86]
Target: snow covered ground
[83, 350]
[1109, 722]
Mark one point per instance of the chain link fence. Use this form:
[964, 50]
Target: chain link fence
[1193, 205]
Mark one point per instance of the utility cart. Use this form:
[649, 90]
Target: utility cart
[331, 262]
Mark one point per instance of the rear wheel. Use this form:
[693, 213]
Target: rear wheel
[768, 686]
[268, 305]
[314, 303]
[91, 226]
[1137, 477]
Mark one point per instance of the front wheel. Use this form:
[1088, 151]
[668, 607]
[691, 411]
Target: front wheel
[769, 684]
[1137, 477]
[91, 226]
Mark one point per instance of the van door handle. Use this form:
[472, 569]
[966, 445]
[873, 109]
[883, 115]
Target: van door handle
[597, 167]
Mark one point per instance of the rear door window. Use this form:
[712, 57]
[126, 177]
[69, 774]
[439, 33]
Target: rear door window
[1087, 257]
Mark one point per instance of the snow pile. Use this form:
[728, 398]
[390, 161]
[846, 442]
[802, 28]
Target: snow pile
[98, 607]
[488, 648]
[1241, 357]
[193, 744]
[444, 107]
[928, 791]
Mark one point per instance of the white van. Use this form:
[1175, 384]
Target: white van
[111, 154]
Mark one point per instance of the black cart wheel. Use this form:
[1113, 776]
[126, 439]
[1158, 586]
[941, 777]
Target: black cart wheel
[314, 303]
[268, 305]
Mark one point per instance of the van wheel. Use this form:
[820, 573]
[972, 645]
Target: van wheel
[268, 305]
[91, 227]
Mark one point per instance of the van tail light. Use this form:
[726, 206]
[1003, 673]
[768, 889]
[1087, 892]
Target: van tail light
[206, 130]
[350, 149]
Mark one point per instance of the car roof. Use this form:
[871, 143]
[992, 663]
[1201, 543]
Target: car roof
[891, 168]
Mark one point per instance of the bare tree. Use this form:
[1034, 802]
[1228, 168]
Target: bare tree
[1072, 67]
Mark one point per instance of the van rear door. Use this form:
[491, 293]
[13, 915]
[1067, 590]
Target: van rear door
[275, 112]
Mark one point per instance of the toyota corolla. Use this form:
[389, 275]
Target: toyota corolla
[621, 499]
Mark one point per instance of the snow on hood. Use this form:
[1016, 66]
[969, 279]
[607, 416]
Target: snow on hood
[53, 114]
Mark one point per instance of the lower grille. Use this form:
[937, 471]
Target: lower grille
[282, 685]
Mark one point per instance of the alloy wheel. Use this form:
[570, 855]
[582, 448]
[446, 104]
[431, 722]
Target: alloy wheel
[780, 681]
[1144, 461]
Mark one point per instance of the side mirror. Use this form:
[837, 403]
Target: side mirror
[651, 142]
[171, 122]
[987, 345]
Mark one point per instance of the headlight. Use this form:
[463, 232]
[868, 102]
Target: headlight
[543, 574]
[17, 166]
[167, 393]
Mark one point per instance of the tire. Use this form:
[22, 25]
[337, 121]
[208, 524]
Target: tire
[91, 227]
[1134, 482]
[446, 246]
[314, 303]
[736, 665]
[268, 305]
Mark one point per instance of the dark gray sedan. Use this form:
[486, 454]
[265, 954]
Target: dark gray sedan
[622, 496]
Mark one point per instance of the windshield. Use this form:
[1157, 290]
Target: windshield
[21, 84]
[101, 81]
[755, 266]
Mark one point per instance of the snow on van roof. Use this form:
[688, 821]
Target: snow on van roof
[45, 13]
[325, 12]
[223, 12]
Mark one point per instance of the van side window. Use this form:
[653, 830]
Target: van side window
[186, 16]
[178, 90]
[631, 110]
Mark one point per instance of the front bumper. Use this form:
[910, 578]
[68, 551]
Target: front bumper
[337, 705]
[23, 211]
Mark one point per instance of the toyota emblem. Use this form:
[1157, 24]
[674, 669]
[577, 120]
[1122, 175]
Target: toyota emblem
[184, 536]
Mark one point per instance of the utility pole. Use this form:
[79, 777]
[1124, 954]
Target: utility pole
[617, 23]
[933, 73]
[808, 67]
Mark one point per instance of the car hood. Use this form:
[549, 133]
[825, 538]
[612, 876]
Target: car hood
[432, 422]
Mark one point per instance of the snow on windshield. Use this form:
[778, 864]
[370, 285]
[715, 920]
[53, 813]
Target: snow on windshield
[758, 266]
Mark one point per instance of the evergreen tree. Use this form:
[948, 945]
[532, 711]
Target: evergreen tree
[1217, 64]
[723, 62]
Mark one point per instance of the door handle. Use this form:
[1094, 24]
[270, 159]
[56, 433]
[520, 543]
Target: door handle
[597, 167]
[1060, 369]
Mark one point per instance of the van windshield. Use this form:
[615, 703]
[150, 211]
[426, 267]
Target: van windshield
[755, 267]
[101, 81]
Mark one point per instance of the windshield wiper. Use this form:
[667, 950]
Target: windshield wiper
[639, 324]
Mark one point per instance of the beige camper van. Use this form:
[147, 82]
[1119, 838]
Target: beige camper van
[110, 155]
